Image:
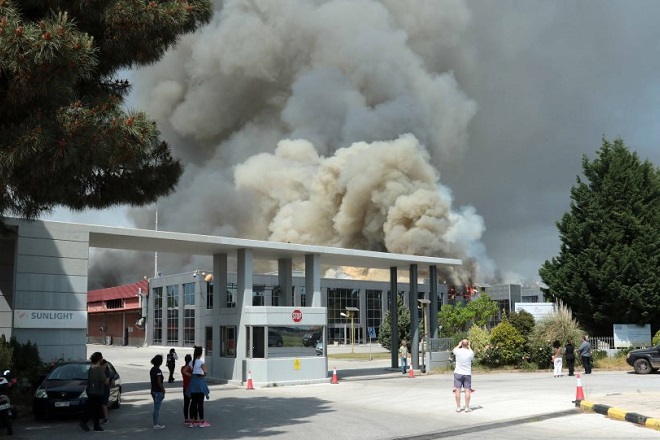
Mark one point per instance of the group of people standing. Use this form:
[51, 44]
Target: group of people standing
[195, 388]
[584, 351]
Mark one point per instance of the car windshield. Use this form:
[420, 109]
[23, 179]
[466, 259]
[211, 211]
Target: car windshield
[69, 372]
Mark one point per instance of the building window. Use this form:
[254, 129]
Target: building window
[189, 294]
[209, 296]
[208, 341]
[172, 293]
[157, 293]
[228, 341]
[114, 304]
[189, 326]
[258, 295]
[374, 309]
[530, 299]
[232, 290]
[275, 293]
[338, 300]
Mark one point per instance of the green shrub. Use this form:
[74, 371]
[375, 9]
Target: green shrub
[479, 339]
[506, 346]
[6, 353]
[656, 338]
[539, 352]
[558, 326]
[403, 324]
[528, 366]
[523, 321]
[597, 356]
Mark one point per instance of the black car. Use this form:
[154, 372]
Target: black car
[63, 391]
[644, 360]
[310, 339]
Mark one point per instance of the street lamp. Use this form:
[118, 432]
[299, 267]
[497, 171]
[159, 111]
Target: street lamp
[350, 313]
[424, 303]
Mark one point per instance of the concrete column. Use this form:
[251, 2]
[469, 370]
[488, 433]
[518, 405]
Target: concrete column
[285, 279]
[394, 317]
[414, 320]
[219, 301]
[362, 301]
[50, 275]
[313, 280]
[245, 269]
[433, 312]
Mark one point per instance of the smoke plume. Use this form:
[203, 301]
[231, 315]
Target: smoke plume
[319, 122]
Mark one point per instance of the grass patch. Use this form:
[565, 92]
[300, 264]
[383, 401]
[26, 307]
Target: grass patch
[612, 364]
[359, 356]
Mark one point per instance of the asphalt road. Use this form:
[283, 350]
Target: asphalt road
[371, 401]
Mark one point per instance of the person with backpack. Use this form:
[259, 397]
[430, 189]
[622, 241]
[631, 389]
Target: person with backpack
[197, 389]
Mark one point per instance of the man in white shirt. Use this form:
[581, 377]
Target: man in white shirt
[463, 373]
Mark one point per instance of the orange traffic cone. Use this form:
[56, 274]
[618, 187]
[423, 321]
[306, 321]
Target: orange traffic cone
[579, 394]
[250, 386]
[411, 372]
[334, 376]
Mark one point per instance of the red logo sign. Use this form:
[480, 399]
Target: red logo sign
[296, 315]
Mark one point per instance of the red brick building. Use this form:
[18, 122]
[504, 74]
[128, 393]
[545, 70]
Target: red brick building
[113, 314]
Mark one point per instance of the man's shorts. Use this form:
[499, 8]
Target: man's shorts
[462, 380]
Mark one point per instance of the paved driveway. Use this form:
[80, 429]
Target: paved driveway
[371, 401]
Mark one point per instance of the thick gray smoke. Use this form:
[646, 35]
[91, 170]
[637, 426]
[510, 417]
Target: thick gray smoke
[319, 122]
[550, 79]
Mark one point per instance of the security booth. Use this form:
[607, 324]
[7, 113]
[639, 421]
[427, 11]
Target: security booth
[275, 339]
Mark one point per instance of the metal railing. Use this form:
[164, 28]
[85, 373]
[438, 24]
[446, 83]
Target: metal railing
[439, 344]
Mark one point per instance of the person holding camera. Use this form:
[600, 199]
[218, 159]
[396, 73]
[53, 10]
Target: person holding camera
[463, 373]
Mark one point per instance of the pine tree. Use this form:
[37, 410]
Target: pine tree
[65, 138]
[607, 267]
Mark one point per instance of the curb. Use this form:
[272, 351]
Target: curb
[619, 414]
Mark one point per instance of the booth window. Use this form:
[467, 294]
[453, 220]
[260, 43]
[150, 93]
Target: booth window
[228, 341]
[283, 341]
[255, 342]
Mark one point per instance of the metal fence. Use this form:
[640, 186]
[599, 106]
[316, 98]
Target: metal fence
[600, 342]
[440, 344]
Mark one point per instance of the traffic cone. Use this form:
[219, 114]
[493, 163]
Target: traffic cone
[579, 393]
[250, 386]
[334, 376]
[411, 372]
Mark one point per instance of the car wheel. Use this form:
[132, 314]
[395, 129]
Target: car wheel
[642, 366]
[279, 343]
[117, 403]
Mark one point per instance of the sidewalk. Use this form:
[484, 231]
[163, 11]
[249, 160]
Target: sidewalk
[642, 408]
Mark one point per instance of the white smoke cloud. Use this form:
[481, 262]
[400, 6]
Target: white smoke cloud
[321, 122]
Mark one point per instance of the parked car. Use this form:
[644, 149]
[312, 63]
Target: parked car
[319, 348]
[63, 391]
[310, 339]
[274, 339]
[644, 360]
